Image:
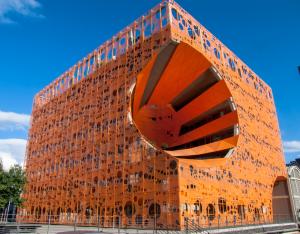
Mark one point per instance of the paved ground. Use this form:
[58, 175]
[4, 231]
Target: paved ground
[80, 232]
[109, 232]
[65, 229]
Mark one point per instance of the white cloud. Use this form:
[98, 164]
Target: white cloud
[13, 121]
[21, 7]
[291, 146]
[12, 151]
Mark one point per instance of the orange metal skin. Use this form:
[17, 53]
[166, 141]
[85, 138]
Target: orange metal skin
[184, 57]
[86, 157]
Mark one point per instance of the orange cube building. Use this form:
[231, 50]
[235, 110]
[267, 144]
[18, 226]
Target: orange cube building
[159, 125]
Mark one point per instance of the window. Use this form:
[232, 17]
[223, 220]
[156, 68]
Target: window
[38, 212]
[110, 54]
[191, 33]
[217, 53]
[157, 14]
[137, 34]
[122, 41]
[174, 13]
[208, 43]
[211, 212]
[222, 205]
[147, 29]
[129, 209]
[173, 164]
[231, 64]
[181, 27]
[163, 11]
[185, 207]
[197, 207]
[197, 30]
[164, 22]
[241, 211]
[102, 57]
[154, 210]
[256, 214]
[139, 220]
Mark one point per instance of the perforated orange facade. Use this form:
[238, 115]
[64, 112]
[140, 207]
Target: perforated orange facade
[161, 122]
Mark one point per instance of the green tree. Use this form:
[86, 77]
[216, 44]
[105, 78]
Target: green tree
[1, 165]
[11, 185]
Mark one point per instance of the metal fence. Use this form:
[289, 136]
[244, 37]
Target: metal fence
[11, 223]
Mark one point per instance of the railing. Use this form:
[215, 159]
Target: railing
[234, 221]
[74, 222]
[122, 224]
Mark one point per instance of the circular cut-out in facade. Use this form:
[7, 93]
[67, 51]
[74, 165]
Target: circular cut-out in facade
[182, 105]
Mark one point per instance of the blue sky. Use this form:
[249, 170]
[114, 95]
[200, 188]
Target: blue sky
[40, 39]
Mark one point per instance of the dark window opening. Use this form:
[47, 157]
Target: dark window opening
[218, 154]
[88, 212]
[222, 205]
[256, 214]
[208, 43]
[206, 80]
[154, 210]
[211, 212]
[197, 31]
[207, 139]
[173, 164]
[129, 209]
[213, 114]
